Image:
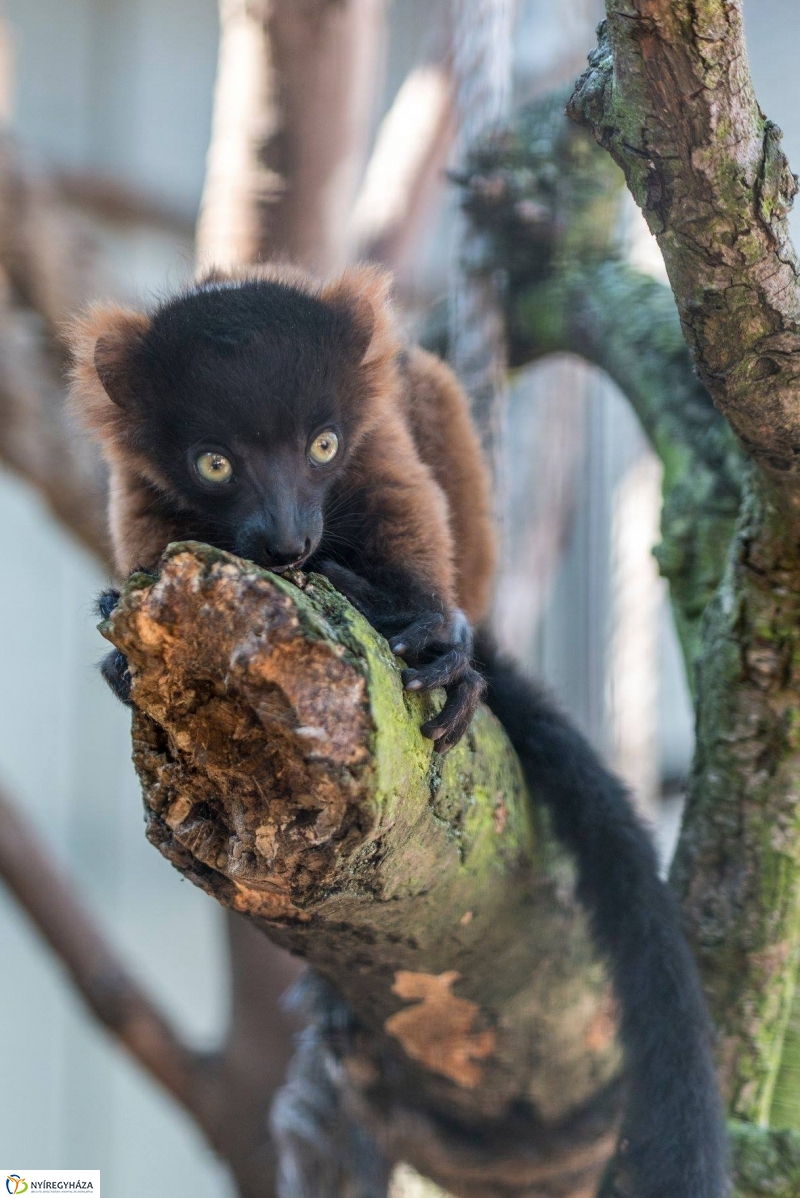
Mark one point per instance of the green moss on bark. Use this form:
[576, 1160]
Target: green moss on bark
[549, 205]
[767, 1163]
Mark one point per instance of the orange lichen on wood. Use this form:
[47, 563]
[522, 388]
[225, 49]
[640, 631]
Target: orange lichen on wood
[438, 1029]
[603, 1029]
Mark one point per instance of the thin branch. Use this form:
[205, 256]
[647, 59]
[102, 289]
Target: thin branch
[46, 268]
[668, 93]
[113, 996]
[37, 440]
[46, 259]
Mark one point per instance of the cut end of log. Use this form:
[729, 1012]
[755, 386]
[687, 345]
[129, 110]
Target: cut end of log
[253, 727]
[270, 724]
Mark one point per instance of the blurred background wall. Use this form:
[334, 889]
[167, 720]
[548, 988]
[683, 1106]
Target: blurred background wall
[118, 92]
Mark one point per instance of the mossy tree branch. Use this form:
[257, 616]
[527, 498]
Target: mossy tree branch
[550, 204]
[668, 93]
[729, 550]
[284, 773]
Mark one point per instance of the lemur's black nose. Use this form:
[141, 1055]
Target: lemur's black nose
[288, 553]
[276, 543]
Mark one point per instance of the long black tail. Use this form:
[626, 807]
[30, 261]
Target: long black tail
[673, 1143]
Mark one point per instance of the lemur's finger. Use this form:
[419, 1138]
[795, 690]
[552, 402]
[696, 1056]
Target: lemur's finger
[443, 670]
[114, 668]
[419, 636]
[447, 728]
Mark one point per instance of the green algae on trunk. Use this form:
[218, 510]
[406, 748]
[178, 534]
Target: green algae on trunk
[738, 863]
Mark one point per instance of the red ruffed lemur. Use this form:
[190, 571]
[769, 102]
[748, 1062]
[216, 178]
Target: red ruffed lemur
[285, 420]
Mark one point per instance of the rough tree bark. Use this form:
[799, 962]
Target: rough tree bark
[284, 773]
[668, 93]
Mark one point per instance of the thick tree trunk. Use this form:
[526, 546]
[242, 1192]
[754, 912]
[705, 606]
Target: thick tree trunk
[734, 586]
[668, 93]
[284, 773]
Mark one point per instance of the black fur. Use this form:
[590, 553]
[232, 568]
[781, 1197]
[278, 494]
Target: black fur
[114, 666]
[253, 370]
[323, 1153]
[105, 603]
[673, 1144]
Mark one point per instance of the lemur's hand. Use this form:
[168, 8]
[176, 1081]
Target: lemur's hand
[114, 666]
[438, 649]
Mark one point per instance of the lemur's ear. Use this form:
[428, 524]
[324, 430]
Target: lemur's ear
[113, 353]
[103, 342]
[363, 293]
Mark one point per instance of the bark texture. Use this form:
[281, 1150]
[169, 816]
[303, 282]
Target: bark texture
[729, 550]
[284, 773]
[668, 93]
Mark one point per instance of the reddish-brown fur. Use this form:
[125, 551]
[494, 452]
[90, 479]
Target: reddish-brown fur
[447, 441]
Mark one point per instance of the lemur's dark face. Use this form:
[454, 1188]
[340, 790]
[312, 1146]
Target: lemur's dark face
[249, 401]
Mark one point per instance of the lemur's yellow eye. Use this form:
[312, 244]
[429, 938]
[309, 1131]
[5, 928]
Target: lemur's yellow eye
[324, 448]
[213, 467]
